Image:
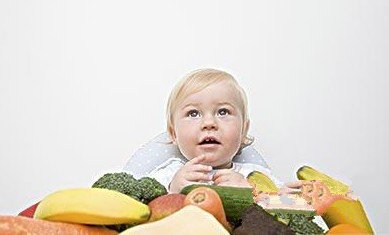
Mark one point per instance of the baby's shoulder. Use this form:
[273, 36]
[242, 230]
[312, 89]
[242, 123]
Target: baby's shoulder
[158, 151]
[250, 155]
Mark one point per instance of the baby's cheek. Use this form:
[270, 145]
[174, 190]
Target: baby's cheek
[188, 153]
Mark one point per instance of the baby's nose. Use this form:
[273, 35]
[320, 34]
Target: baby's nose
[209, 123]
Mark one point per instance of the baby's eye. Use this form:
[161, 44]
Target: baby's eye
[223, 112]
[193, 113]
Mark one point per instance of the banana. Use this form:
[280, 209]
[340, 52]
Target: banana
[262, 182]
[91, 206]
[335, 186]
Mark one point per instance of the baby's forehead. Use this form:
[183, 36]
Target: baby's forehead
[218, 94]
[209, 89]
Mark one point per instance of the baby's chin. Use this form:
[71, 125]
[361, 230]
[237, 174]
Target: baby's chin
[222, 166]
[217, 164]
[213, 159]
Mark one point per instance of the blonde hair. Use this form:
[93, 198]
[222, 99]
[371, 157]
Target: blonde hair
[197, 81]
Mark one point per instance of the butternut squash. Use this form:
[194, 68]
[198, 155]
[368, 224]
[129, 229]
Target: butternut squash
[190, 220]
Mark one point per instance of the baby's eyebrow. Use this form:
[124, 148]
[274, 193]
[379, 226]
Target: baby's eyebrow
[226, 103]
[190, 104]
[199, 104]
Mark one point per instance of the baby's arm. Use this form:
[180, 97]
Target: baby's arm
[192, 172]
[164, 172]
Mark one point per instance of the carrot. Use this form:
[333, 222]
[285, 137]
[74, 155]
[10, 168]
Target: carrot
[208, 200]
[20, 225]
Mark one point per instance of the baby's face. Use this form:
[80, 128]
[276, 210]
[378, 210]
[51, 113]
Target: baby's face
[210, 122]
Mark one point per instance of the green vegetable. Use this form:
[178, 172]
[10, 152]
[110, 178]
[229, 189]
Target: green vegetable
[121, 182]
[151, 189]
[235, 200]
[144, 189]
[299, 223]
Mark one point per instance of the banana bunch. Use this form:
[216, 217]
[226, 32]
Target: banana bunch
[92, 206]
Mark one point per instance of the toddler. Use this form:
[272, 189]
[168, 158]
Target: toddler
[207, 119]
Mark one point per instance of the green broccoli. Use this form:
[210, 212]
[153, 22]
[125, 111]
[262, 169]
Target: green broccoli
[143, 190]
[299, 223]
[121, 182]
[151, 189]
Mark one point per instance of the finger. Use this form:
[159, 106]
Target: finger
[320, 188]
[286, 190]
[226, 183]
[296, 184]
[326, 190]
[200, 168]
[197, 176]
[219, 180]
[230, 184]
[222, 172]
[207, 159]
[196, 160]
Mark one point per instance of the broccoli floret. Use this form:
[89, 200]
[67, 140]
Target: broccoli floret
[143, 190]
[300, 223]
[151, 189]
[121, 182]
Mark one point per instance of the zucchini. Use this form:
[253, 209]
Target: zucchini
[235, 200]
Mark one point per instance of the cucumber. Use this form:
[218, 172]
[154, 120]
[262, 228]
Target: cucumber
[235, 200]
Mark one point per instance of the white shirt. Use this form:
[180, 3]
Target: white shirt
[164, 172]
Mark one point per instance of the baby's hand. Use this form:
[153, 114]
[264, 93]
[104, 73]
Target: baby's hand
[228, 177]
[192, 172]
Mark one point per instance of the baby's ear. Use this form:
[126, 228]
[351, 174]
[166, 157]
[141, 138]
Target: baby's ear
[246, 127]
[172, 136]
[174, 141]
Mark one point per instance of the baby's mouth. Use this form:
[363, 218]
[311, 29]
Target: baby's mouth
[209, 140]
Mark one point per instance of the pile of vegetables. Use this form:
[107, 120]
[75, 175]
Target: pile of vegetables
[117, 202]
[240, 209]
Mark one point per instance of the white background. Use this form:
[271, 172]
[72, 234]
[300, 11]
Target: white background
[83, 84]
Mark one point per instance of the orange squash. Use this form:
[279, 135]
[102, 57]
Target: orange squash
[345, 211]
[346, 229]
